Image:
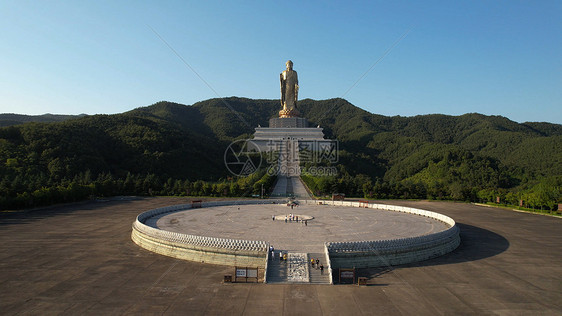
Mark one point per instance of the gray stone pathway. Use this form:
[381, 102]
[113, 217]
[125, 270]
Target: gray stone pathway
[299, 191]
[280, 189]
[288, 179]
[290, 186]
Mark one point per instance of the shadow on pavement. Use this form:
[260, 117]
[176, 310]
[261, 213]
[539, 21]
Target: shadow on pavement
[476, 244]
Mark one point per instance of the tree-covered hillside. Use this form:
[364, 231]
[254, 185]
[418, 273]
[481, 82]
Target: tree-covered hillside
[170, 148]
[468, 157]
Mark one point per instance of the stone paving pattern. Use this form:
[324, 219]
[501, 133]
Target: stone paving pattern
[254, 222]
[79, 259]
[297, 270]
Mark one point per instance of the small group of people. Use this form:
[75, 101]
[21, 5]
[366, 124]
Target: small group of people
[292, 218]
[282, 255]
[316, 262]
[295, 218]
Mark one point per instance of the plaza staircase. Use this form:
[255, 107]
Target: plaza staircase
[277, 271]
[316, 276]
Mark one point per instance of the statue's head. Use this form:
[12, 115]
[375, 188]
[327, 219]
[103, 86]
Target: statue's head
[289, 64]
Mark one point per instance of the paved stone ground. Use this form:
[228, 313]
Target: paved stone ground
[330, 223]
[79, 259]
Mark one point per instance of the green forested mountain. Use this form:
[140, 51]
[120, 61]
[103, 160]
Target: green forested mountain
[170, 148]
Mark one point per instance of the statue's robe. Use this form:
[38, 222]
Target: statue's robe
[289, 89]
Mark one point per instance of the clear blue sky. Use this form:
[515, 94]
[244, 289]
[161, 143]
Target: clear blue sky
[492, 57]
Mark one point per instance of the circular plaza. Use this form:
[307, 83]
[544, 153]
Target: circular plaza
[324, 223]
[343, 233]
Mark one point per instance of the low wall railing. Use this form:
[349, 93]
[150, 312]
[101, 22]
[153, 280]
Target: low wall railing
[236, 252]
[328, 264]
[374, 253]
[224, 251]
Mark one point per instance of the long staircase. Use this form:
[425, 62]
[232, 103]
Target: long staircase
[296, 269]
[318, 276]
[276, 270]
[289, 183]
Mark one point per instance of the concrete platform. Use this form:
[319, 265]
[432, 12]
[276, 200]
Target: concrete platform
[79, 259]
[330, 224]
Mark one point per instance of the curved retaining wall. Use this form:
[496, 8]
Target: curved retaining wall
[223, 251]
[234, 252]
[384, 253]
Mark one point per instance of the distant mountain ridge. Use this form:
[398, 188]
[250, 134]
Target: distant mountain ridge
[9, 119]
